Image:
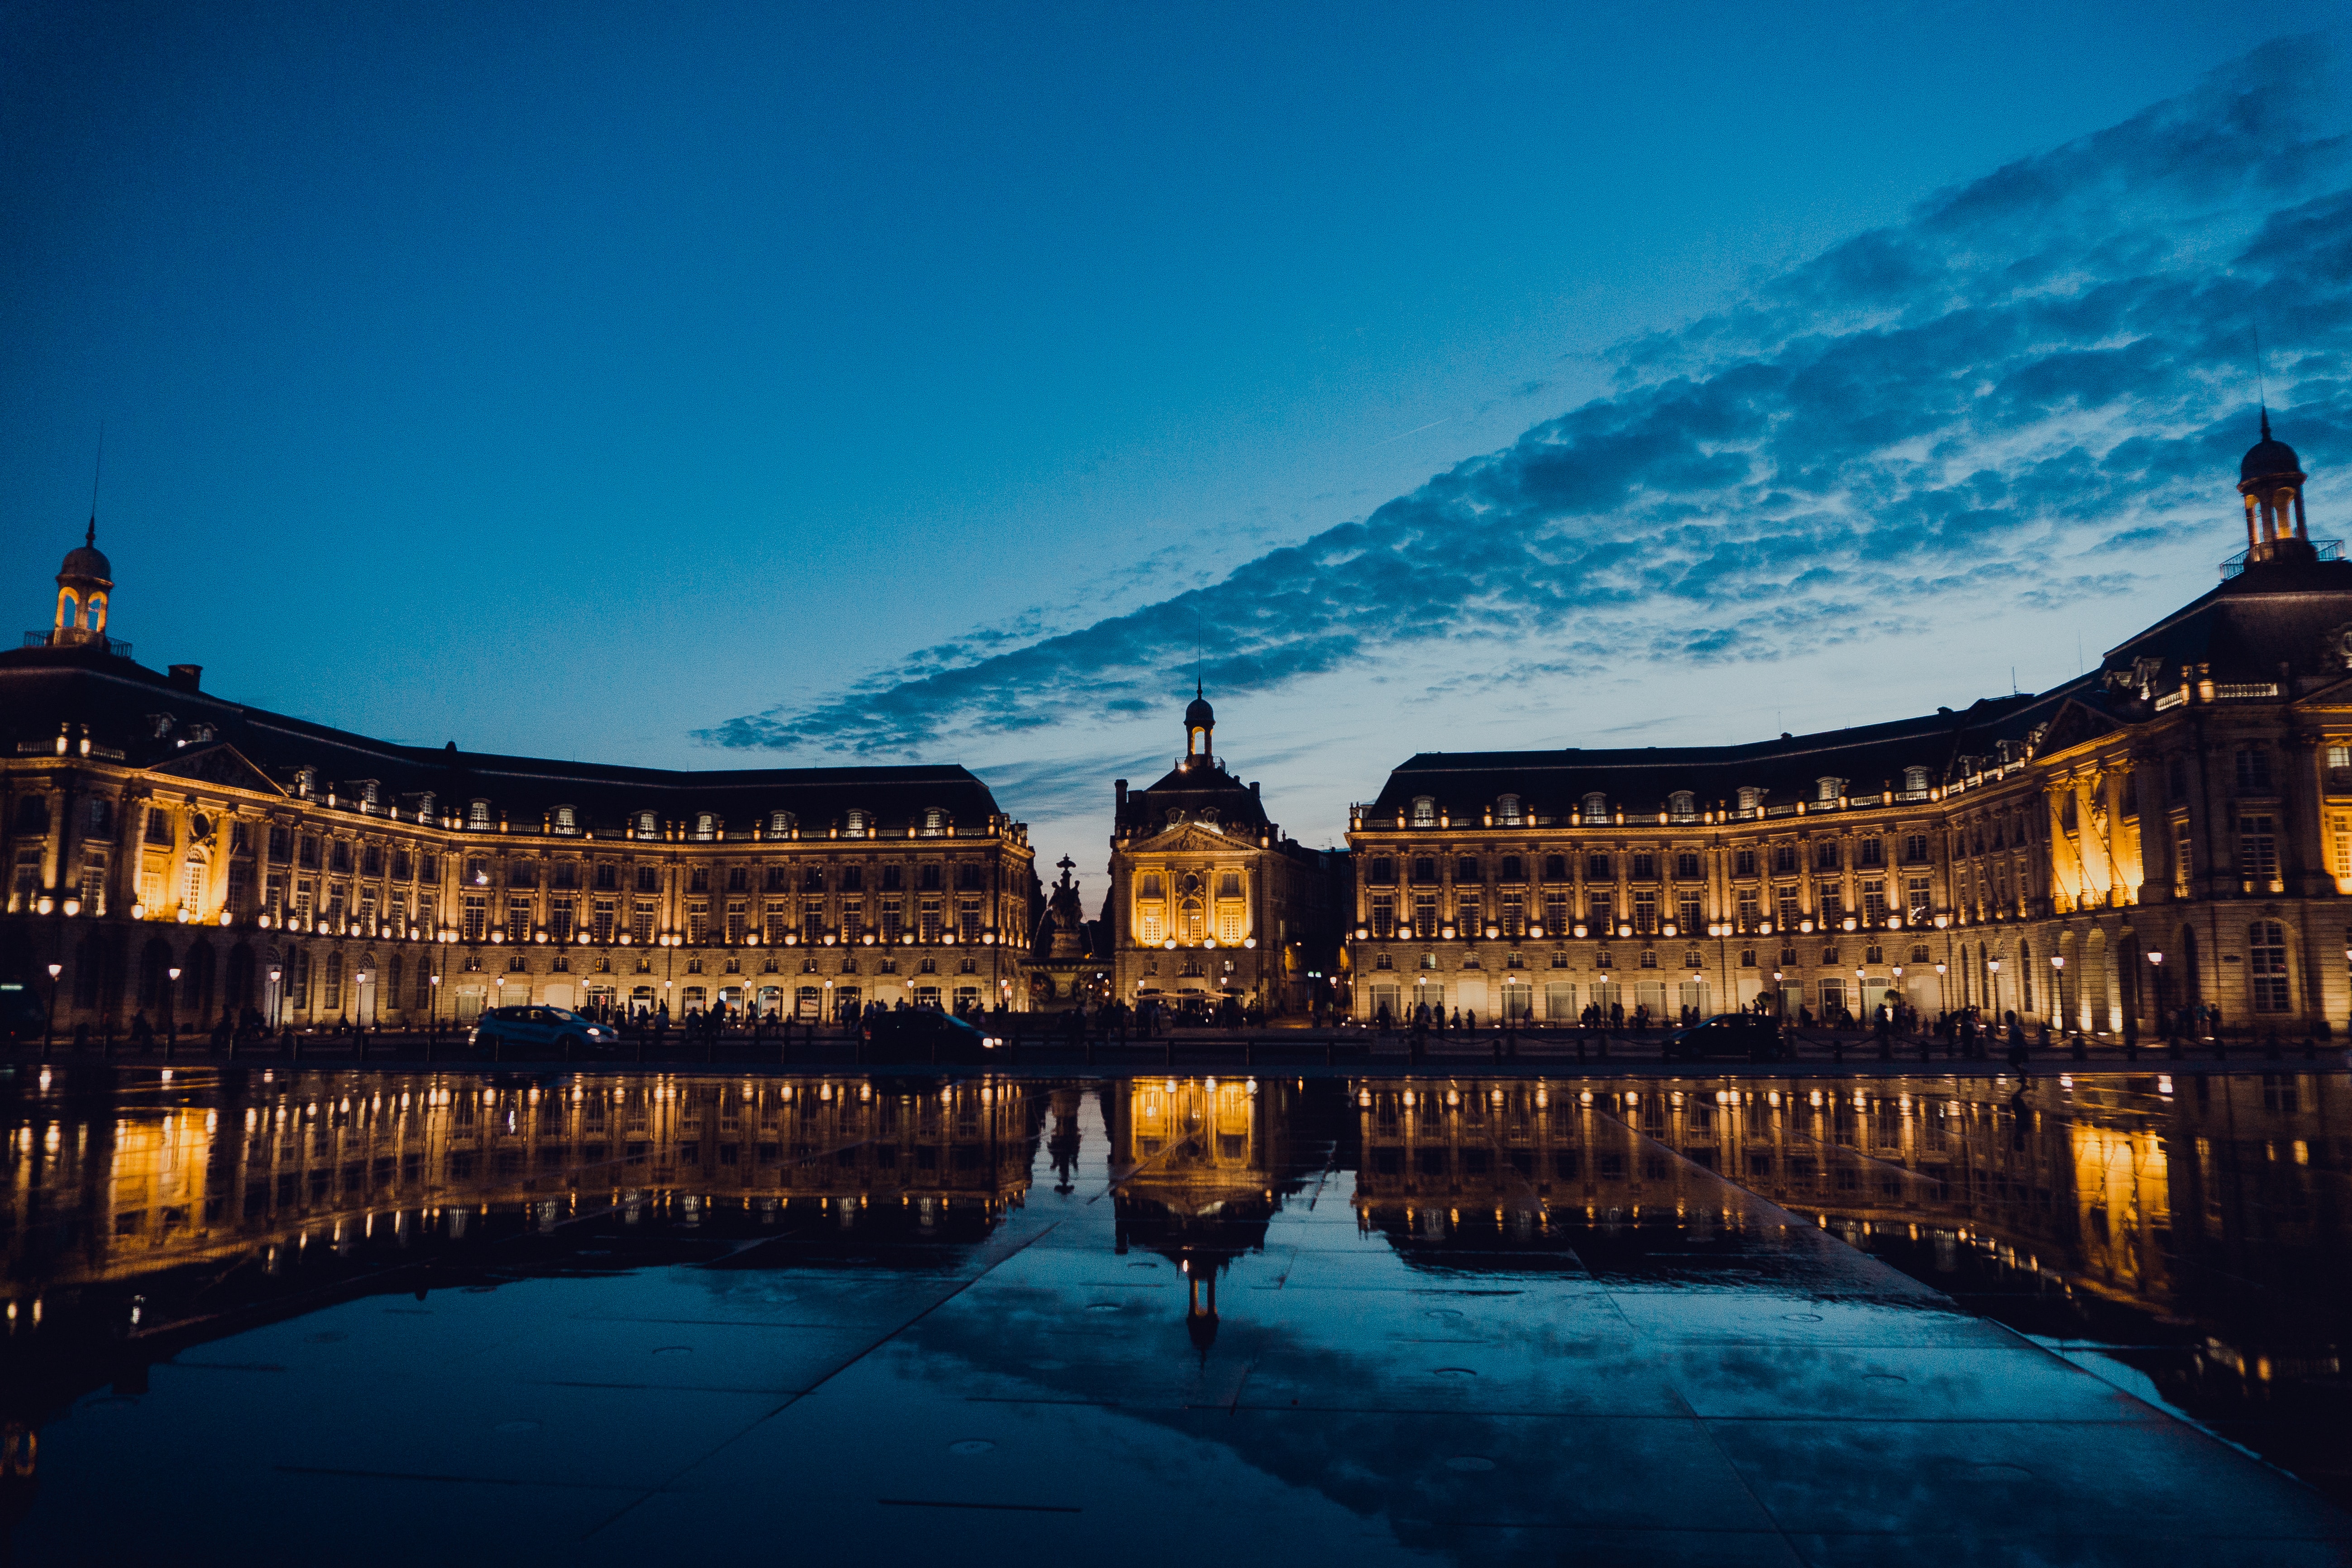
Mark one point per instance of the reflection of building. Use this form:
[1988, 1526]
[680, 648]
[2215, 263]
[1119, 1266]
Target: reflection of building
[328, 1159]
[1208, 899]
[1204, 1163]
[316, 874]
[2175, 825]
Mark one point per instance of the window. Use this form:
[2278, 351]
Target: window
[1743, 863]
[706, 824]
[2175, 779]
[1873, 852]
[859, 823]
[647, 825]
[518, 921]
[2069, 814]
[1687, 913]
[640, 921]
[1916, 900]
[478, 816]
[1555, 919]
[1682, 805]
[1382, 873]
[1687, 864]
[1914, 849]
[739, 880]
[1383, 917]
[1645, 865]
[1424, 869]
[649, 879]
[1467, 870]
[1555, 869]
[1826, 854]
[1514, 914]
[1915, 781]
[1827, 790]
[1829, 903]
[159, 825]
[100, 824]
[894, 877]
[1596, 808]
[2266, 964]
[779, 824]
[1229, 884]
[1599, 869]
[1784, 859]
[566, 820]
[698, 880]
[1601, 911]
[1645, 911]
[1507, 811]
[1874, 900]
[1513, 869]
[935, 822]
[2253, 770]
[2127, 797]
[2339, 844]
[1425, 811]
[608, 877]
[1466, 915]
[1751, 913]
[2257, 855]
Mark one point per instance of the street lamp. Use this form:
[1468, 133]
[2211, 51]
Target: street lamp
[170, 1002]
[366, 996]
[50, 1026]
[2058, 986]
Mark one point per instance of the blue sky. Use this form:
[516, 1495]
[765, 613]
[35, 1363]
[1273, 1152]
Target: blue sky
[810, 385]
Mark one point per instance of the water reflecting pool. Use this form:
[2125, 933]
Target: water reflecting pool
[357, 1316]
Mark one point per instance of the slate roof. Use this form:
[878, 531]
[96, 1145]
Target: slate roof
[2282, 618]
[44, 688]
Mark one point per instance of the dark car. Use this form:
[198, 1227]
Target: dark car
[542, 1032]
[1739, 1036]
[920, 1035]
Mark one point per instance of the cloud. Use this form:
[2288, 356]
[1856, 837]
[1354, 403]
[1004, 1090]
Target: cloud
[2000, 399]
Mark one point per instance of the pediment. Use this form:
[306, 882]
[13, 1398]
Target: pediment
[220, 763]
[1192, 838]
[2074, 724]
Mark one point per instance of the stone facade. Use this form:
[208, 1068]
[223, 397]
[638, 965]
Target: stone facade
[316, 876]
[1209, 901]
[2174, 828]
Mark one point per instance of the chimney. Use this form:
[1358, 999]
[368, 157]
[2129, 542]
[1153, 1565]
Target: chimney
[184, 676]
[1120, 786]
[1253, 786]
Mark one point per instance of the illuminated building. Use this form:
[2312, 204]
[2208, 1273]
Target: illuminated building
[2173, 828]
[314, 876]
[1208, 899]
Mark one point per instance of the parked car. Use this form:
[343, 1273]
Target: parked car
[1741, 1037]
[542, 1032]
[922, 1034]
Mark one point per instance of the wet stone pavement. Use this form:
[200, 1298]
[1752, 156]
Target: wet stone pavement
[406, 1316]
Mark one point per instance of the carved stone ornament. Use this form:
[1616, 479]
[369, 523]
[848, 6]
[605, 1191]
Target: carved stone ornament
[2335, 649]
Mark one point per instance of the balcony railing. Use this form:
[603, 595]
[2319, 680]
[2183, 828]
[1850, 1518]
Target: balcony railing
[114, 645]
[2329, 550]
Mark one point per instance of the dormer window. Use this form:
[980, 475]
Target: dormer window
[1915, 781]
[1826, 790]
[306, 782]
[1425, 811]
[1208, 816]
[424, 806]
[706, 824]
[935, 822]
[858, 822]
[478, 816]
[1596, 808]
[1507, 810]
[1175, 816]
[1751, 798]
[365, 789]
[647, 826]
[1682, 805]
[565, 820]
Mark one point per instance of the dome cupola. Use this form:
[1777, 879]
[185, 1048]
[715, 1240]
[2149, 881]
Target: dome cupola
[85, 593]
[2269, 479]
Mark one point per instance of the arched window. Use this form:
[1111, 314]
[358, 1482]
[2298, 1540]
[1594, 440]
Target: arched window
[858, 822]
[1596, 808]
[935, 822]
[1209, 816]
[565, 821]
[1507, 810]
[1425, 811]
[97, 611]
[69, 610]
[1187, 922]
[1682, 806]
[646, 825]
[478, 816]
[706, 824]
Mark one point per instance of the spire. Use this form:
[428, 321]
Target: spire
[2266, 421]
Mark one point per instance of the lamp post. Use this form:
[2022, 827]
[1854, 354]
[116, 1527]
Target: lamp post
[171, 1002]
[49, 1027]
[276, 1000]
[2058, 984]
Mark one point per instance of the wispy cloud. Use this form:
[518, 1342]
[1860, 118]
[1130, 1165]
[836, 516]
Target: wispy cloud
[2002, 397]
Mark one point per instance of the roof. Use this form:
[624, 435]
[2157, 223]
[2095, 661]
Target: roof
[122, 703]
